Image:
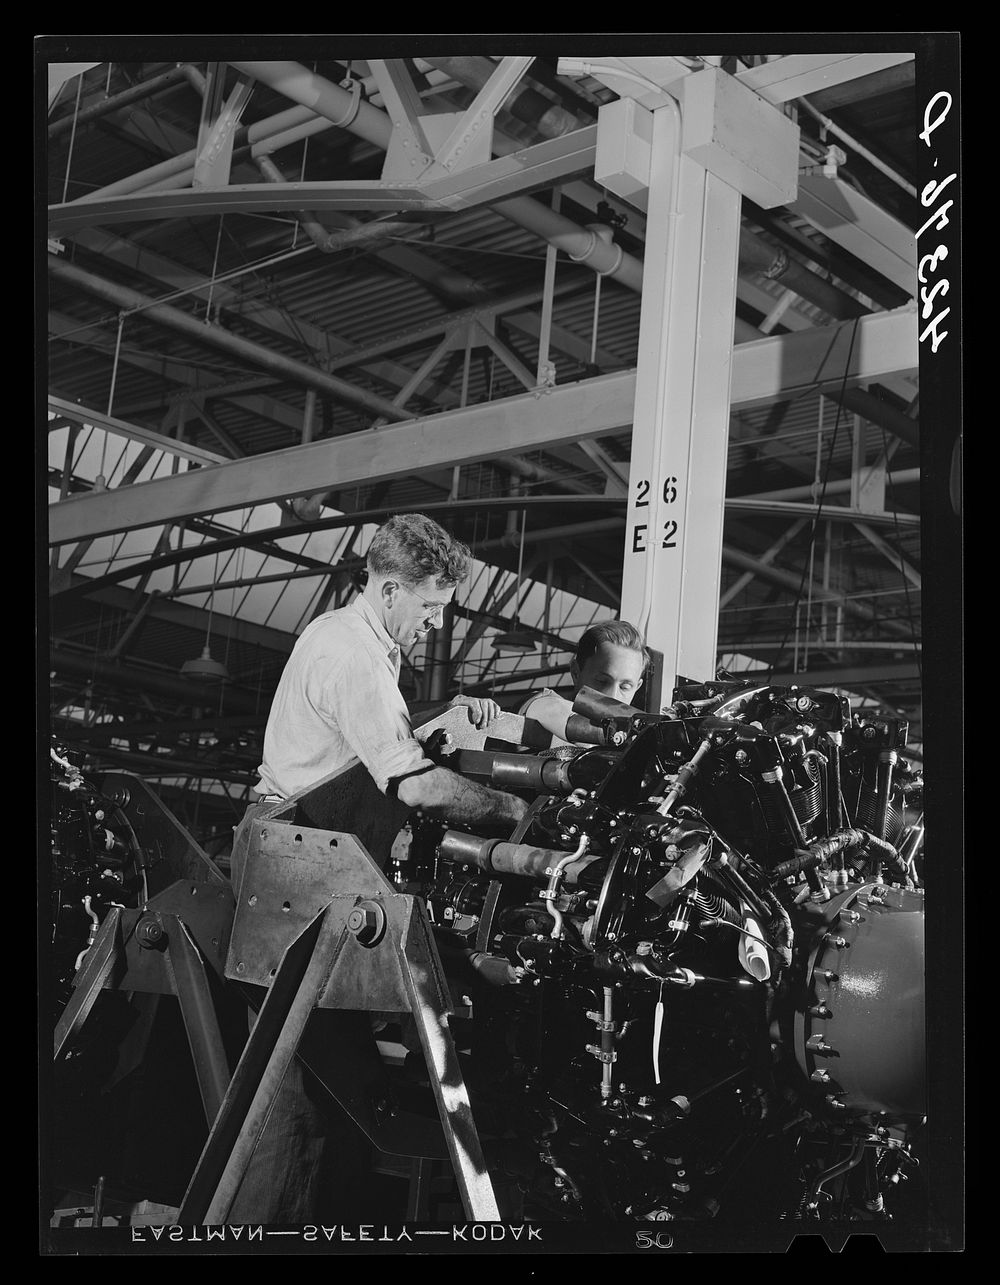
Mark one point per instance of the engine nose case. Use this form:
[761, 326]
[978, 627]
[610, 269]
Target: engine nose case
[866, 974]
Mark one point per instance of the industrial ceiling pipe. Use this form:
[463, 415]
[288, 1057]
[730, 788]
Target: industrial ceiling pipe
[270, 128]
[345, 238]
[134, 94]
[250, 142]
[777, 264]
[255, 149]
[583, 245]
[368, 122]
[245, 349]
[538, 473]
[880, 413]
[316, 95]
[324, 98]
[523, 103]
[531, 107]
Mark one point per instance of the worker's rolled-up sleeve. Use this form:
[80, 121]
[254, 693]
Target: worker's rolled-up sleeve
[365, 701]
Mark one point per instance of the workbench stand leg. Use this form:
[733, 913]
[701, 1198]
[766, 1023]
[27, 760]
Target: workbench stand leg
[201, 1021]
[275, 1037]
[452, 1097]
[94, 972]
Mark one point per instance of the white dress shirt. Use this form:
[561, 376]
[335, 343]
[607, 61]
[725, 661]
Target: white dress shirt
[338, 700]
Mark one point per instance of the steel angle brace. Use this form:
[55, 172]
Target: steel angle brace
[153, 951]
[328, 965]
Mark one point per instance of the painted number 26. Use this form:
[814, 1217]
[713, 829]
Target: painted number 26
[642, 502]
[669, 492]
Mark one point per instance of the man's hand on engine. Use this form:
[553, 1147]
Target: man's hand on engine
[481, 709]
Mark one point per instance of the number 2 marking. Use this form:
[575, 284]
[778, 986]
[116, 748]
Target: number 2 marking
[669, 531]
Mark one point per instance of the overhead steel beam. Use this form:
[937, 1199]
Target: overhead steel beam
[839, 486]
[233, 448]
[404, 108]
[321, 344]
[893, 555]
[880, 413]
[798, 583]
[60, 72]
[821, 359]
[449, 508]
[763, 371]
[169, 445]
[176, 276]
[796, 75]
[183, 373]
[615, 473]
[830, 512]
[216, 336]
[529, 323]
[873, 85]
[530, 422]
[764, 559]
[439, 326]
[501, 179]
[183, 615]
[863, 228]
[477, 118]
[124, 98]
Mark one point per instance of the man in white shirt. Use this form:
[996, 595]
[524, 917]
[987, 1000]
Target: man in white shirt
[611, 658]
[338, 698]
[338, 701]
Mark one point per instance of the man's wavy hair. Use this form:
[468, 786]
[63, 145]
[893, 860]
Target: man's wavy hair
[618, 632]
[413, 547]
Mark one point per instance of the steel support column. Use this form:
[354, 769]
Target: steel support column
[673, 544]
[439, 657]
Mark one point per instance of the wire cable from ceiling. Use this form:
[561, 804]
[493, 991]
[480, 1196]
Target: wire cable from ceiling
[255, 266]
[72, 137]
[819, 506]
[910, 614]
[215, 268]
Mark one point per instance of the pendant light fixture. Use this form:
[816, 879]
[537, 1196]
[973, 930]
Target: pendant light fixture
[203, 668]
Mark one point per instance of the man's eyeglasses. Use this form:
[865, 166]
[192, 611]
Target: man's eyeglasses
[432, 608]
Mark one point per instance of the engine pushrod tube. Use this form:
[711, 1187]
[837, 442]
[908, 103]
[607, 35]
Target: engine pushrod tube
[774, 780]
[496, 856]
[883, 785]
[685, 775]
[740, 885]
[834, 809]
[685, 978]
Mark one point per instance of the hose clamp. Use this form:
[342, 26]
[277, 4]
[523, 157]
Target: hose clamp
[355, 106]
